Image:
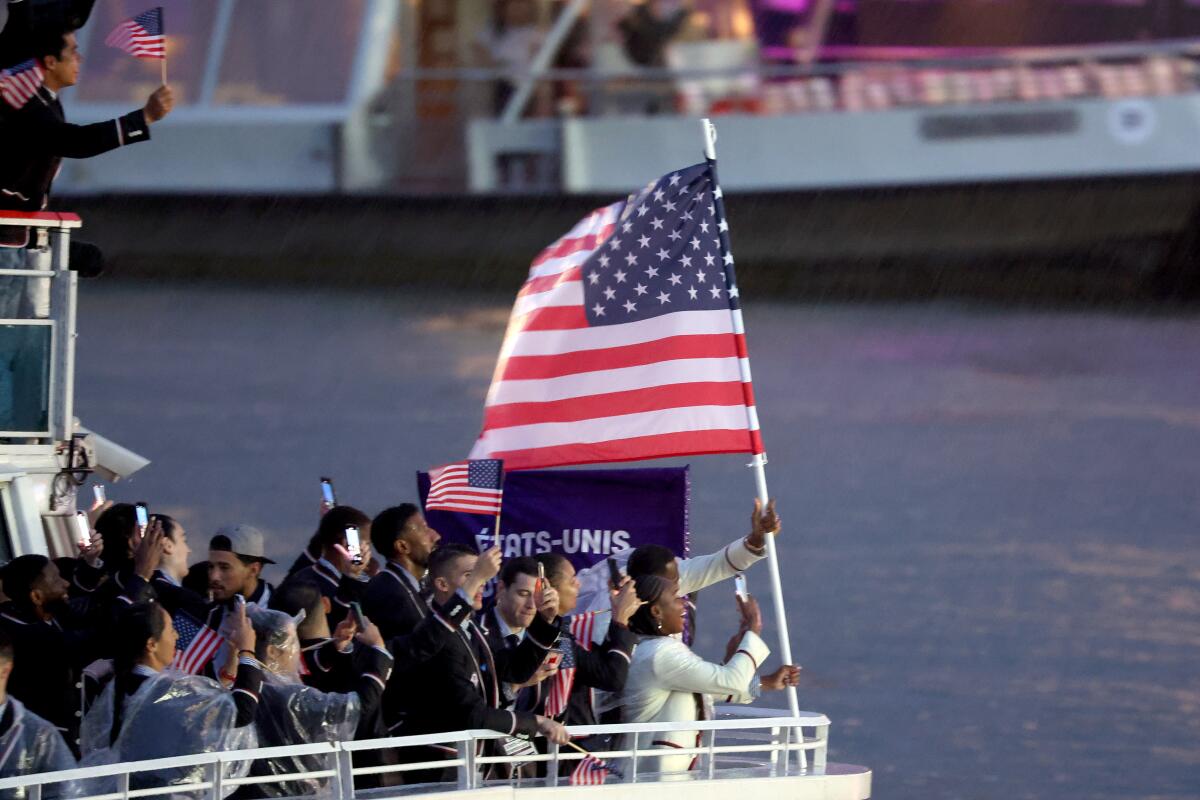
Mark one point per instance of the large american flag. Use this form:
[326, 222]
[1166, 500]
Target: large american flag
[197, 643]
[626, 342]
[142, 36]
[19, 83]
[472, 487]
[559, 694]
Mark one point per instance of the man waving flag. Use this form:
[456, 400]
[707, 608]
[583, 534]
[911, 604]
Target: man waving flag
[623, 344]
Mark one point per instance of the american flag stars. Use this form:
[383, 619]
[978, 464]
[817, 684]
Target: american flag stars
[674, 219]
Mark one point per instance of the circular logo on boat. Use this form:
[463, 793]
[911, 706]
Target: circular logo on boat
[1132, 121]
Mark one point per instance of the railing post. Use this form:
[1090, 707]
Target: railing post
[345, 774]
[123, 785]
[802, 753]
[35, 791]
[466, 770]
[822, 751]
[711, 757]
[552, 765]
[217, 774]
[633, 761]
[61, 295]
[778, 738]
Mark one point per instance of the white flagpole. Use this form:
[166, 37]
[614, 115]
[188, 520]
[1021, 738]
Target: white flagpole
[759, 461]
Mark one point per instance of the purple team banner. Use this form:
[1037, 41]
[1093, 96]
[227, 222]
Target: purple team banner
[584, 514]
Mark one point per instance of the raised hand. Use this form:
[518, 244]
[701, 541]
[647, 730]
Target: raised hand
[762, 523]
[345, 563]
[148, 553]
[785, 676]
[487, 566]
[547, 602]
[345, 632]
[370, 635]
[241, 631]
[159, 104]
[625, 602]
[751, 615]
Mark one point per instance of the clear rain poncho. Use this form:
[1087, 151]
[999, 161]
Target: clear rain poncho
[171, 714]
[291, 713]
[31, 745]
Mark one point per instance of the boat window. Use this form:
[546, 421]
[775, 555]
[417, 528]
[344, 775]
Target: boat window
[25, 355]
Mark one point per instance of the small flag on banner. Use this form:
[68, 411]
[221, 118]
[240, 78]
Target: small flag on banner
[197, 643]
[142, 36]
[19, 83]
[470, 487]
[590, 772]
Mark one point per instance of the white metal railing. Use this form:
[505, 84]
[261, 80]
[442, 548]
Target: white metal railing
[761, 740]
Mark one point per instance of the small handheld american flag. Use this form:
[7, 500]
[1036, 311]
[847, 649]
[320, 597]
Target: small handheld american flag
[19, 83]
[197, 643]
[470, 487]
[590, 772]
[559, 694]
[141, 36]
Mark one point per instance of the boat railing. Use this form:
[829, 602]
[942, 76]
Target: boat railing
[747, 742]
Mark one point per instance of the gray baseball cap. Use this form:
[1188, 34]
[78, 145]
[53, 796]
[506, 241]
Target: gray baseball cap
[244, 540]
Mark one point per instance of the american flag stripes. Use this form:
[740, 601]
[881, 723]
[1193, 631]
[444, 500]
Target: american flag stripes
[141, 36]
[471, 487]
[197, 643]
[625, 342]
[590, 772]
[19, 83]
[582, 626]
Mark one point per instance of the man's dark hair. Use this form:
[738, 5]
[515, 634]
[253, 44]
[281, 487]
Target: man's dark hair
[445, 555]
[20, 575]
[525, 565]
[222, 544]
[48, 40]
[387, 527]
[116, 525]
[170, 525]
[6, 647]
[332, 529]
[649, 559]
[295, 596]
[553, 563]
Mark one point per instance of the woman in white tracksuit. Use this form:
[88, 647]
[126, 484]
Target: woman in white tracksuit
[669, 683]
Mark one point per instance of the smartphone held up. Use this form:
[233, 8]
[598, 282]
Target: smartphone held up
[328, 496]
[83, 530]
[353, 544]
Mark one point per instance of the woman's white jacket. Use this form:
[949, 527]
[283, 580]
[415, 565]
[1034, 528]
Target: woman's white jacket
[669, 683]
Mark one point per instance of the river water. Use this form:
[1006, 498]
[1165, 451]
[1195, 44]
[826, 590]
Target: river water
[990, 517]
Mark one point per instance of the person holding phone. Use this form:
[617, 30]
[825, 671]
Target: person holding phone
[405, 541]
[291, 713]
[459, 688]
[148, 712]
[670, 683]
[596, 667]
[342, 577]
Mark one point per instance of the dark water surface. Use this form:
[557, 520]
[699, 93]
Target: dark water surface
[991, 517]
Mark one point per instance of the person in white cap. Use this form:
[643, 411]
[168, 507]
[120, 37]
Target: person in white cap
[235, 562]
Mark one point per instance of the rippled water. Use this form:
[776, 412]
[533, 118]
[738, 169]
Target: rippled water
[991, 518]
